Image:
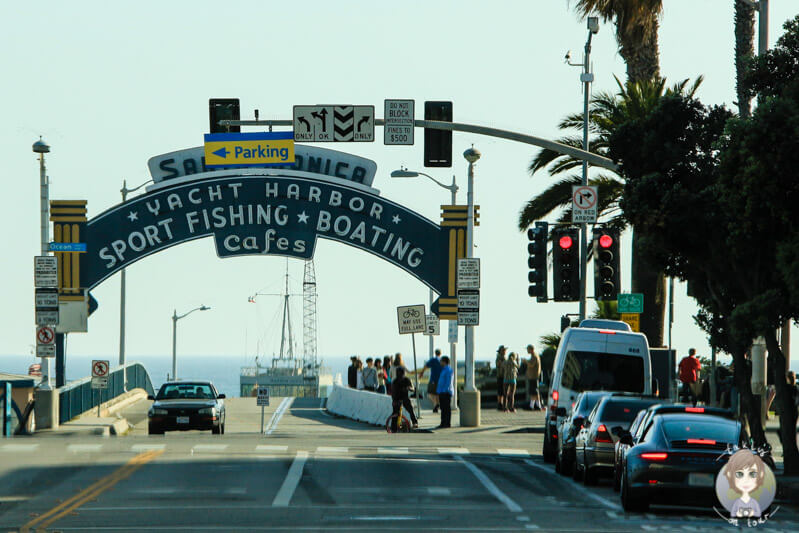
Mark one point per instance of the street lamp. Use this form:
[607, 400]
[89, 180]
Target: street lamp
[453, 189]
[175, 318]
[124, 190]
[470, 410]
[40, 147]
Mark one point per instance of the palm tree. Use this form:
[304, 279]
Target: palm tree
[637, 23]
[608, 111]
[744, 50]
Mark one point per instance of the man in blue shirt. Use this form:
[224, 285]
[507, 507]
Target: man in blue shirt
[434, 364]
[445, 390]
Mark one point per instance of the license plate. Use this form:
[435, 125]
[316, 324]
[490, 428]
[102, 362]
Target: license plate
[696, 479]
[183, 420]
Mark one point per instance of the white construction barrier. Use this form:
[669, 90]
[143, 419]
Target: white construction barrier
[363, 406]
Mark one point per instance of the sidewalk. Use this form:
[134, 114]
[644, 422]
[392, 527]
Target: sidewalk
[112, 419]
[787, 486]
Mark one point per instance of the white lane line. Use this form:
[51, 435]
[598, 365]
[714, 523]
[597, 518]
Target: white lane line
[271, 448]
[278, 414]
[381, 518]
[147, 447]
[522, 518]
[531, 526]
[83, 448]
[439, 491]
[209, 447]
[513, 451]
[596, 497]
[16, 448]
[392, 451]
[286, 491]
[332, 449]
[453, 451]
[489, 485]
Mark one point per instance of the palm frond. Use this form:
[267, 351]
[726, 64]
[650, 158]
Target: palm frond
[555, 197]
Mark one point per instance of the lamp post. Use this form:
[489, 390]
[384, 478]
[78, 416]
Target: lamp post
[40, 147]
[453, 189]
[470, 408]
[124, 190]
[175, 318]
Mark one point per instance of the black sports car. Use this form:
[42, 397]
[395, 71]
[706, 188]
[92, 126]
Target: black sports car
[185, 405]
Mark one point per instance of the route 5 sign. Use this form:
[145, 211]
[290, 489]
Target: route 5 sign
[432, 325]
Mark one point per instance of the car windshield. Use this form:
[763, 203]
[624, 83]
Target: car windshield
[186, 391]
[623, 410]
[587, 404]
[603, 371]
[717, 429]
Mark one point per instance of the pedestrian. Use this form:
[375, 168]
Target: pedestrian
[434, 364]
[444, 390]
[396, 365]
[500, 380]
[511, 371]
[352, 374]
[381, 376]
[359, 373]
[387, 370]
[533, 375]
[400, 389]
[370, 376]
[689, 375]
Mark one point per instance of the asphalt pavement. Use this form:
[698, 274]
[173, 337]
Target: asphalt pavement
[311, 471]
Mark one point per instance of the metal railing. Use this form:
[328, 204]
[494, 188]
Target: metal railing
[78, 396]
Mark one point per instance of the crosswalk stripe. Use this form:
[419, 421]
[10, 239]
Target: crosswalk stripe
[389, 451]
[147, 447]
[331, 449]
[19, 447]
[513, 451]
[209, 447]
[79, 448]
[454, 451]
[271, 448]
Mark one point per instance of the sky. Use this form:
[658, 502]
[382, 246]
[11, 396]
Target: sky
[109, 85]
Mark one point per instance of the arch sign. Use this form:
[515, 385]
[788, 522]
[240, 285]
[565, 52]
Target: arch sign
[270, 211]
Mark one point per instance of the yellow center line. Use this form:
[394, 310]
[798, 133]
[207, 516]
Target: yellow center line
[92, 491]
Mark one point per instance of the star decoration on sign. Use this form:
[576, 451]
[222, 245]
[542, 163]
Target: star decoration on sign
[395, 219]
[303, 218]
[133, 216]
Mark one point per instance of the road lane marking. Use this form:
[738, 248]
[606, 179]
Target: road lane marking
[392, 450]
[278, 414]
[271, 448]
[283, 496]
[17, 448]
[489, 485]
[580, 488]
[332, 449]
[83, 448]
[381, 518]
[523, 518]
[438, 491]
[453, 451]
[209, 447]
[147, 447]
[91, 492]
[513, 451]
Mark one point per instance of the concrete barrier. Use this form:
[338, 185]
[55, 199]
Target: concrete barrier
[363, 406]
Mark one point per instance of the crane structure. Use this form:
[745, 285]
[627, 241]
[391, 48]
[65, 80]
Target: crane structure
[309, 317]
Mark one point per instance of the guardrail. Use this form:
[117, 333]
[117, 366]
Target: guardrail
[78, 397]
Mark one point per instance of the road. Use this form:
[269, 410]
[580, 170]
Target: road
[312, 472]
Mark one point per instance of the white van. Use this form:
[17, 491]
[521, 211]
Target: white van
[594, 359]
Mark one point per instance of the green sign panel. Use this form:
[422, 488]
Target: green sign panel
[631, 303]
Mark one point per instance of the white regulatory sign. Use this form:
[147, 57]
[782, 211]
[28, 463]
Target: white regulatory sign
[398, 116]
[45, 271]
[329, 123]
[584, 204]
[45, 350]
[452, 336]
[432, 325]
[469, 300]
[99, 383]
[46, 299]
[263, 396]
[469, 273]
[468, 318]
[411, 319]
[46, 318]
[100, 374]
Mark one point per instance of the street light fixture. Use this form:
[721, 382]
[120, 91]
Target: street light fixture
[40, 147]
[175, 318]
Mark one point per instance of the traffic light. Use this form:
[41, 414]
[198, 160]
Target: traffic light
[607, 278]
[223, 109]
[566, 264]
[437, 143]
[537, 262]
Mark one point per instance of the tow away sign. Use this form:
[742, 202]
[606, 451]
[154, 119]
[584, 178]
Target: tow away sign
[258, 149]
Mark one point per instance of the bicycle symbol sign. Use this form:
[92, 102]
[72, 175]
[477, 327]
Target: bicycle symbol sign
[584, 204]
[411, 319]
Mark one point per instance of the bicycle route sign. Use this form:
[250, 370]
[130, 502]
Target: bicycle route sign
[411, 319]
[631, 303]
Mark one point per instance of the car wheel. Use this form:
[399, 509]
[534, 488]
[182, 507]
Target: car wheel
[577, 473]
[559, 461]
[566, 465]
[154, 431]
[616, 480]
[549, 453]
[223, 427]
[589, 476]
[631, 502]
[215, 430]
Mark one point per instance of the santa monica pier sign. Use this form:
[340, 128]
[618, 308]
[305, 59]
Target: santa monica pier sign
[271, 211]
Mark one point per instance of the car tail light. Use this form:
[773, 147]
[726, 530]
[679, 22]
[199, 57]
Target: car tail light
[653, 481]
[607, 331]
[555, 396]
[656, 456]
[708, 442]
[694, 409]
[602, 434]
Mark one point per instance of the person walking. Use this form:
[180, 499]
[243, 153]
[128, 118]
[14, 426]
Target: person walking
[370, 376]
[400, 388]
[500, 380]
[352, 374]
[689, 375]
[434, 364]
[387, 371]
[445, 389]
[533, 375]
[511, 372]
[381, 376]
[396, 365]
[359, 374]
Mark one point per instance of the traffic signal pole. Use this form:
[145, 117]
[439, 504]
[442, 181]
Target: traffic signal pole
[586, 77]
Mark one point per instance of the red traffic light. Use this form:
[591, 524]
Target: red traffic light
[606, 241]
[565, 242]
